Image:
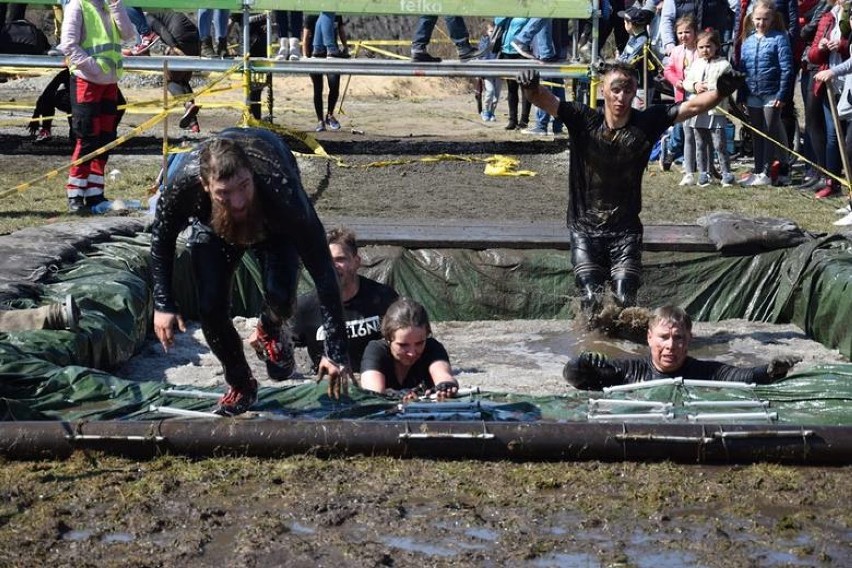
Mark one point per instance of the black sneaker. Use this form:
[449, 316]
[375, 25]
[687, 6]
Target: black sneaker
[189, 115]
[467, 53]
[342, 54]
[77, 205]
[424, 57]
[238, 400]
[207, 50]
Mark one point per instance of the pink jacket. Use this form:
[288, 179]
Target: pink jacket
[675, 69]
[74, 32]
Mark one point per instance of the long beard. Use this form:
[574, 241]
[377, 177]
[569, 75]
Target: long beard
[242, 232]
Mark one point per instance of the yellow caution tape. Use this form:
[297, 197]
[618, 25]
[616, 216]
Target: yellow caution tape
[756, 132]
[20, 188]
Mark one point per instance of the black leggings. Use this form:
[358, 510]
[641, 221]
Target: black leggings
[214, 263]
[333, 93]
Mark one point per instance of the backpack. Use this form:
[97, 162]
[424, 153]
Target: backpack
[22, 37]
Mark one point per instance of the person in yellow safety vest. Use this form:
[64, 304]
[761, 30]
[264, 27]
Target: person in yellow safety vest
[92, 31]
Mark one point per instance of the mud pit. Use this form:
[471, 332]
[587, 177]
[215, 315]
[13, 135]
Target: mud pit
[303, 511]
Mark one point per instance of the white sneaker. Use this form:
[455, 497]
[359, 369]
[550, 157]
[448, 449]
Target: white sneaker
[283, 52]
[295, 48]
[844, 210]
[756, 180]
[688, 179]
[844, 221]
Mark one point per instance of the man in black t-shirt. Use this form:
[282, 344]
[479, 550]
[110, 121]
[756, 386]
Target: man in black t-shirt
[669, 335]
[365, 301]
[609, 150]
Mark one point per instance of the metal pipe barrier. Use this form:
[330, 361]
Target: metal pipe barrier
[538, 441]
[375, 67]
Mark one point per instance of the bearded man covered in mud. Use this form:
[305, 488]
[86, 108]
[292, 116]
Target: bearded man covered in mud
[669, 336]
[237, 191]
[609, 151]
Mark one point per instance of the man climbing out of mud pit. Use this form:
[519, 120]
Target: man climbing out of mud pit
[669, 335]
[609, 151]
[237, 191]
[365, 302]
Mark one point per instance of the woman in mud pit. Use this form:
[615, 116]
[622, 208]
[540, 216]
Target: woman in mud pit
[407, 357]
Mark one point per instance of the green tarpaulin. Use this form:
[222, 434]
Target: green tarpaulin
[51, 375]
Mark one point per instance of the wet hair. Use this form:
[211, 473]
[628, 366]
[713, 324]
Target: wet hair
[615, 67]
[221, 158]
[343, 236]
[687, 20]
[712, 36]
[403, 313]
[673, 315]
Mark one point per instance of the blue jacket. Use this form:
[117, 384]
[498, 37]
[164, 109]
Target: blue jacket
[514, 27]
[768, 64]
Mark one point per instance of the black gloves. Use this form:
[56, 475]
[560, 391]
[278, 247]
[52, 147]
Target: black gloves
[778, 367]
[592, 360]
[529, 79]
[446, 386]
[729, 81]
[589, 371]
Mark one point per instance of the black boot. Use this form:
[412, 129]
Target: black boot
[513, 118]
[625, 290]
[207, 50]
[222, 48]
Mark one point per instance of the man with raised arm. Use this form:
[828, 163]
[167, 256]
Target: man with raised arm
[609, 151]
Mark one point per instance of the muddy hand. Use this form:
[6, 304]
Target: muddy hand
[164, 328]
[446, 389]
[529, 80]
[338, 377]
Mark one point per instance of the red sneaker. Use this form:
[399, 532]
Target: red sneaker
[147, 42]
[277, 351]
[827, 191]
[238, 400]
[775, 171]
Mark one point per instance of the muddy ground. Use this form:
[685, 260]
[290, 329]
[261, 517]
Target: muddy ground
[94, 510]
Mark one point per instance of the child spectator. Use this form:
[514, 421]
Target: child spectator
[636, 22]
[829, 47]
[491, 86]
[767, 61]
[681, 140]
[710, 125]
